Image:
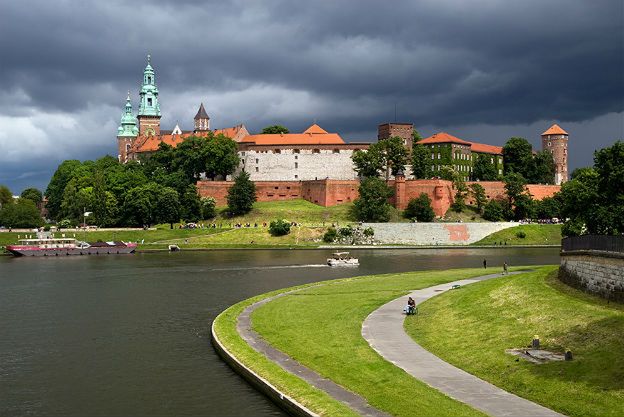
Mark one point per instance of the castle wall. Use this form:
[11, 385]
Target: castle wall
[597, 272]
[434, 233]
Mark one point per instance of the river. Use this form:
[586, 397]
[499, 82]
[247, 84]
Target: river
[130, 334]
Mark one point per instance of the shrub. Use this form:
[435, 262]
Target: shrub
[368, 232]
[279, 228]
[64, 224]
[520, 234]
[420, 209]
[46, 228]
[493, 211]
[330, 235]
[208, 209]
[345, 231]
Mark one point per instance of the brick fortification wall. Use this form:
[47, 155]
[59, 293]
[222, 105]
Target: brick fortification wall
[328, 192]
[596, 272]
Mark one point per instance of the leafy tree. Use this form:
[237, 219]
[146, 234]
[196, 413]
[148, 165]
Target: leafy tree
[32, 194]
[580, 171]
[416, 136]
[330, 235]
[56, 188]
[493, 211]
[517, 195]
[191, 205]
[478, 193]
[241, 195]
[420, 162]
[279, 228]
[483, 169]
[220, 157]
[208, 208]
[167, 207]
[139, 207]
[548, 208]
[579, 200]
[190, 157]
[6, 196]
[542, 168]
[22, 213]
[448, 173]
[517, 156]
[372, 204]
[274, 129]
[420, 209]
[367, 163]
[524, 207]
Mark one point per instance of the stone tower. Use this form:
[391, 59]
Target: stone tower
[202, 121]
[127, 132]
[149, 109]
[402, 130]
[555, 140]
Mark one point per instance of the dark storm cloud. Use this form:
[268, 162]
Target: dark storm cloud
[346, 63]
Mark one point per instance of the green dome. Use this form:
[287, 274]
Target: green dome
[128, 123]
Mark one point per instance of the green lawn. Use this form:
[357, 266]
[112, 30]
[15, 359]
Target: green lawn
[321, 327]
[300, 211]
[472, 327]
[536, 234]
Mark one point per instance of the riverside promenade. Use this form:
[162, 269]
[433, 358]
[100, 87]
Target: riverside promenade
[383, 329]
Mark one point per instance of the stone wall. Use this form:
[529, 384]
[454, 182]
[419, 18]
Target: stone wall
[434, 233]
[597, 272]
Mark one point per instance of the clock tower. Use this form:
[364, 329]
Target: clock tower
[149, 108]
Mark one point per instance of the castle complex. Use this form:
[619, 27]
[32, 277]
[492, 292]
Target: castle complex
[316, 165]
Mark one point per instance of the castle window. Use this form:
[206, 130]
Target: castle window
[257, 160]
[432, 156]
[492, 160]
[149, 101]
[316, 151]
[438, 155]
[277, 151]
[295, 150]
[336, 150]
[432, 167]
[296, 176]
[149, 80]
[296, 156]
[243, 153]
[296, 165]
[256, 169]
[127, 147]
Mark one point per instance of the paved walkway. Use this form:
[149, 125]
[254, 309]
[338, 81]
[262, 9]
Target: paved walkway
[383, 329]
[352, 400]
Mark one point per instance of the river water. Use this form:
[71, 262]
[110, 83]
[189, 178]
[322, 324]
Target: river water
[130, 334]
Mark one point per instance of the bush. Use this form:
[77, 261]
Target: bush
[208, 208]
[46, 228]
[330, 235]
[279, 228]
[369, 232]
[65, 224]
[345, 231]
[493, 211]
[520, 234]
[420, 209]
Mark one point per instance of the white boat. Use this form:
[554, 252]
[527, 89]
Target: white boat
[342, 259]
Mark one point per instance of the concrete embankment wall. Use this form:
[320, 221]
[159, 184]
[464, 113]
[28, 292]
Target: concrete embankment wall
[435, 233]
[597, 272]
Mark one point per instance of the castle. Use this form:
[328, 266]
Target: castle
[316, 165]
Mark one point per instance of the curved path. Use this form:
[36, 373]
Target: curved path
[383, 329]
[339, 393]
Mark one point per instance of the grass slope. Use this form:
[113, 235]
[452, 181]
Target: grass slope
[536, 234]
[472, 327]
[320, 327]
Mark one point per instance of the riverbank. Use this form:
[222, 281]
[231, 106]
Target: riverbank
[319, 326]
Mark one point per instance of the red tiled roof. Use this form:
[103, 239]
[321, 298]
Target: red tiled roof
[150, 143]
[442, 137]
[483, 148]
[314, 135]
[555, 130]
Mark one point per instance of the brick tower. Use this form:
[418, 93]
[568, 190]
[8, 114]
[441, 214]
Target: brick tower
[555, 140]
[127, 132]
[402, 130]
[149, 108]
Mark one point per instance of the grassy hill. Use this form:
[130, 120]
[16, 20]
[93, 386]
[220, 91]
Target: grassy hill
[535, 234]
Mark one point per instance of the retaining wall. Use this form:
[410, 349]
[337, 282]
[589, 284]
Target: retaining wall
[597, 272]
[435, 233]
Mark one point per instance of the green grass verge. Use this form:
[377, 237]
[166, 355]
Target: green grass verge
[536, 234]
[321, 328]
[295, 387]
[472, 327]
[300, 211]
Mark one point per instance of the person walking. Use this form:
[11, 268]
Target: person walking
[484, 263]
[504, 268]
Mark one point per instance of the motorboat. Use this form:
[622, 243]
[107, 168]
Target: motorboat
[342, 259]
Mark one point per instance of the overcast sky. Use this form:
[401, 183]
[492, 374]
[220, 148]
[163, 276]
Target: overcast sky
[483, 70]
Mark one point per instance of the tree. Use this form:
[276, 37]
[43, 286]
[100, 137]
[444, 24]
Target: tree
[493, 211]
[279, 228]
[517, 156]
[420, 162]
[420, 209]
[140, 204]
[274, 129]
[167, 206]
[372, 204]
[220, 157]
[191, 205]
[32, 194]
[56, 187]
[190, 157]
[548, 208]
[518, 198]
[208, 208]
[367, 163]
[22, 213]
[483, 169]
[6, 196]
[416, 136]
[478, 193]
[241, 195]
[388, 156]
[542, 169]
[579, 201]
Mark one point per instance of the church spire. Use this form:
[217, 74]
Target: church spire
[149, 108]
[202, 120]
[127, 127]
